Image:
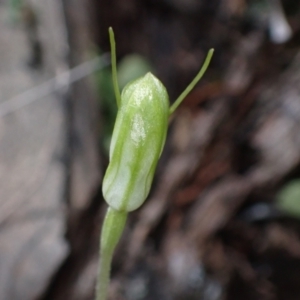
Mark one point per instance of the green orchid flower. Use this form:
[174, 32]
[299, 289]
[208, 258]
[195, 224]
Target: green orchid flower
[137, 142]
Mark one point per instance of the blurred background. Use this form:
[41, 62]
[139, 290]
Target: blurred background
[222, 220]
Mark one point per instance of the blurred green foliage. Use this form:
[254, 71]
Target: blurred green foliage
[15, 7]
[132, 67]
[288, 198]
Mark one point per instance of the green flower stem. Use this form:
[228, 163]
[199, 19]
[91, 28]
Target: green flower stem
[193, 83]
[112, 229]
[114, 66]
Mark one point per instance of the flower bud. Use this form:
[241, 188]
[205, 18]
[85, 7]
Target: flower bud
[137, 142]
